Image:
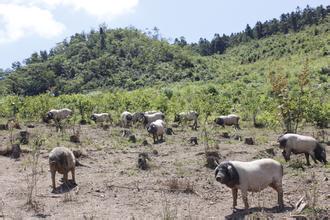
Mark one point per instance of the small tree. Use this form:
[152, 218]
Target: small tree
[292, 103]
[32, 176]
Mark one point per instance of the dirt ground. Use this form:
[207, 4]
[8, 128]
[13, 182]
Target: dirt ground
[177, 184]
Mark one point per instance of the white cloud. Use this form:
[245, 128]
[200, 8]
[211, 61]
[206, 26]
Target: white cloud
[17, 21]
[21, 17]
[102, 9]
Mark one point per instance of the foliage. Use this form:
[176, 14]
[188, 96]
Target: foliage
[127, 58]
[288, 22]
[125, 69]
[292, 102]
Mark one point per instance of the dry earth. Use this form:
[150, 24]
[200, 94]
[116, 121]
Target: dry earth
[178, 185]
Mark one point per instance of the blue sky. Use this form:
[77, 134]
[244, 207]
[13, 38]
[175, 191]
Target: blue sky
[27, 26]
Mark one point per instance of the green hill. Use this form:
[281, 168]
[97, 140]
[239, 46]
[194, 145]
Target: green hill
[130, 59]
[127, 59]
[279, 79]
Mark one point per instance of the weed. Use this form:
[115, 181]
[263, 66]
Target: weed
[68, 197]
[32, 176]
[168, 213]
[297, 164]
[173, 184]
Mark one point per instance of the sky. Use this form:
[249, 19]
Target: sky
[28, 26]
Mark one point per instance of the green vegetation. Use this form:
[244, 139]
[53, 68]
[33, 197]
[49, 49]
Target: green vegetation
[278, 79]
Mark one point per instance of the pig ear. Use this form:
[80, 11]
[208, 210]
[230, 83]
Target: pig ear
[216, 171]
[230, 170]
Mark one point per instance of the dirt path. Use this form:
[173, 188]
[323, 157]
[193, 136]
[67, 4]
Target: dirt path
[112, 187]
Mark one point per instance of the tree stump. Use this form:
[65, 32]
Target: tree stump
[212, 159]
[24, 137]
[16, 125]
[83, 122]
[75, 138]
[77, 153]
[5, 151]
[249, 141]
[126, 133]
[45, 119]
[30, 125]
[155, 152]
[3, 127]
[193, 140]
[270, 151]
[132, 138]
[145, 143]
[15, 151]
[237, 137]
[169, 131]
[225, 135]
[142, 161]
[105, 127]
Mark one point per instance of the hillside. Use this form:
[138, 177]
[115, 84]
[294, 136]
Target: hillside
[130, 59]
[127, 59]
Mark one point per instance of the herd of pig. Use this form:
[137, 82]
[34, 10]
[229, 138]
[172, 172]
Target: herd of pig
[251, 176]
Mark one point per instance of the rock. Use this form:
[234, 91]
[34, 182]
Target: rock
[325, 179]
[249, 141]
[15, 151]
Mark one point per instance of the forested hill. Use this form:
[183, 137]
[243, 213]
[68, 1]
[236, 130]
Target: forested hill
[128, 58]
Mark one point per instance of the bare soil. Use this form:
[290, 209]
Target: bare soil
[177, 184]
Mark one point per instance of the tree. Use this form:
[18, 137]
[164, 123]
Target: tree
[33, 59]
[43, 55]
[293, 101]
[102, 39]
[181, 42]
[293, 20]
[258, 30]
[155, 34]
[204, 47]
[218, 44]
[274, 26]
[284, 24]
[16, 65]
[248, 32]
